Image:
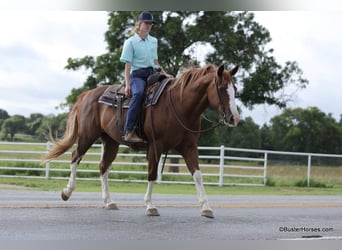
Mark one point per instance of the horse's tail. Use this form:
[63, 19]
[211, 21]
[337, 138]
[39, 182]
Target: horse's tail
[69, 138]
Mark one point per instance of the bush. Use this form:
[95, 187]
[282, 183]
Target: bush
[270, 182]
[313, 183]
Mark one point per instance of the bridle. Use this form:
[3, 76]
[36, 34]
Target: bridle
[219, 91]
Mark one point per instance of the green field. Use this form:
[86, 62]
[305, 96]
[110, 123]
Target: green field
[282, 177]
[127, 187]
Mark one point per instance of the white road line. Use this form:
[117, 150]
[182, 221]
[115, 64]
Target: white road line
[315, 238]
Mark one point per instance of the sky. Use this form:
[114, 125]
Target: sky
[35, 46]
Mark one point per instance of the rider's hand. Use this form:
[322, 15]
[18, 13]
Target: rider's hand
[128, 90]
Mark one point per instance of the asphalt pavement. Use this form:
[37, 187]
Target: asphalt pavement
[38, 215]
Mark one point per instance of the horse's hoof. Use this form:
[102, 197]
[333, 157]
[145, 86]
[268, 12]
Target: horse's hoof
[64, 196]
[207, 213]
[111, 206]
[152, 212]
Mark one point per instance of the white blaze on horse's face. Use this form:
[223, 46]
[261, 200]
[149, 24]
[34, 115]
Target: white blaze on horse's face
[232, 105]
[232, 117]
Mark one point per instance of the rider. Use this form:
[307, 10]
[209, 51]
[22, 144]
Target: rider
[141, 59]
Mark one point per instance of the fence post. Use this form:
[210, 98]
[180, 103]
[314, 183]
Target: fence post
[265, 168]
[221, 166]
[47, 164]
[309, 170]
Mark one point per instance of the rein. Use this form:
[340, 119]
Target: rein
[154, 143]
[201, 130]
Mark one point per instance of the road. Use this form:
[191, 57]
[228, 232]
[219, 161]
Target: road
[35, 215]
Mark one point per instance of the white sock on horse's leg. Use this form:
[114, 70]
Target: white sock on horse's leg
[67, 191]
[109, 204]
[72, 180]
[200, 190]
[148, 195]
[105, 189]
[151, 210]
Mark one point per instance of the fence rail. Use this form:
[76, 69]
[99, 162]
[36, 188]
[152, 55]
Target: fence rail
[220, 165]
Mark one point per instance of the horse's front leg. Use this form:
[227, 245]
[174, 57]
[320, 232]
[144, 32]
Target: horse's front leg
[205, 208]
[190, 154]
[151, 210]
[109, 204]
[153, 161]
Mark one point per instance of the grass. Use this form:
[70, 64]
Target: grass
[294, 174]
[128, 187]
[282, 178]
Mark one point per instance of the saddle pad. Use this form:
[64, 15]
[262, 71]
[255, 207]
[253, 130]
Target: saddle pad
[110, 95]
[155, 92]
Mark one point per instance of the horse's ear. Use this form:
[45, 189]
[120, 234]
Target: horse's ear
[220, 70]
[234, 70]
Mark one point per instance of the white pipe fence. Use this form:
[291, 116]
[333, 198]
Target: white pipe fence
[220, 165]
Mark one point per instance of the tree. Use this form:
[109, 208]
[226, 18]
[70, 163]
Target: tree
[33, 123]
[52, 124]
[246, 135]
[13, 125]
[234, 38]
[3, 116]
[306, 130]
[266, 139]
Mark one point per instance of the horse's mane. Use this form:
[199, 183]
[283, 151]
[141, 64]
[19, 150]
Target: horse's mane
[190, 75]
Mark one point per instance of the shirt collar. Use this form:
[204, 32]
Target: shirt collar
[140, 39]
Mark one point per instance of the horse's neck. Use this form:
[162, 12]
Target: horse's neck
[194, 98]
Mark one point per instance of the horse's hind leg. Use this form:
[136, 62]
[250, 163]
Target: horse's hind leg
[110, 149]
[67, 191]
[82, 147]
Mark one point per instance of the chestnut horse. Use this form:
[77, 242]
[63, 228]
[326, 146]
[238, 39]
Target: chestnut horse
[173, 123]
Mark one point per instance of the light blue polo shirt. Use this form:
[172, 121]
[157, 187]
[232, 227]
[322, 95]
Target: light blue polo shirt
[140, 53]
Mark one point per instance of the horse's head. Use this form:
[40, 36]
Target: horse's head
[222, 96]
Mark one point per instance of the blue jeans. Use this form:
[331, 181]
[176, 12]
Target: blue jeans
[138, 80]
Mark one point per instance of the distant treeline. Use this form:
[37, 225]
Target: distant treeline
[297, 130]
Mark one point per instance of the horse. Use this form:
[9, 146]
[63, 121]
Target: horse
[173, 123]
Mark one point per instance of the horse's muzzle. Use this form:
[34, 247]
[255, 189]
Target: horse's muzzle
[231, 120]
